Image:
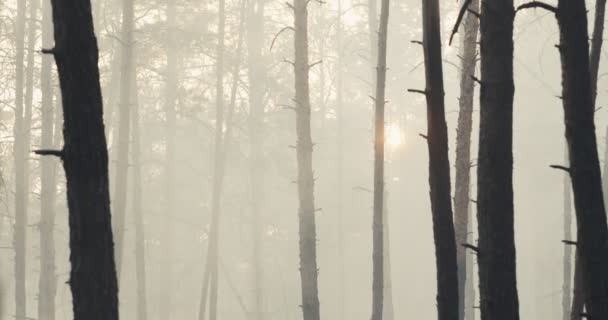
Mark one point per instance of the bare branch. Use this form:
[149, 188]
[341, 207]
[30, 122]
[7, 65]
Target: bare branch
[555, 166]
[570, 242]
[315, 63]
[417, 91]
[47, 51]
[476, 80]
[56, 153]
[278, 34]
[537, 4]
[464, 8]
[424, 136]
[417, 42]
[470, 246]
[475, 13]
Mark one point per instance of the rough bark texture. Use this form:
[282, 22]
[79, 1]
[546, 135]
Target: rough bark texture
[577, 97]
[85, 160]
[378, 213]
[578, 299]
[124, 126]
[596, 46]
[165, 302]
[496, 258]
[47, 283]
[20, 154]
[255, 36]
[567, 263]
[462, 194]
[439, 166]
[305, 180]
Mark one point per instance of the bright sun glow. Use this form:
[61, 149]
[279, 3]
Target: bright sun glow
[394, 136]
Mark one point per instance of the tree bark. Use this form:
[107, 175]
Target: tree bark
[124, 124]
[496, 257]
[85, 160]
[577, 97]
[439, 165]
[47, 284]
[596, 46]
[20, 155]
[567, 263]
[462, 194]
[305, 179]
[256, 73]
[378, 223]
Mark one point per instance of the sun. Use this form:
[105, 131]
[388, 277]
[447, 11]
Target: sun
[394, 136]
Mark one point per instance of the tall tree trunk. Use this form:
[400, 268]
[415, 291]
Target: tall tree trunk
[166, 293]
[567, 264]
[462, 194]
[140, 236]
[85, 160]
[439, 165]
[47, 284]
[592, 232]
[378, 223]
[256, 73]
[305, 179]
[496, 256]
[210, 281]
[23, 113]
[341, 283]
[124, 123]
[470, 298]
[372, 21]
[594, 63]
[388, 312]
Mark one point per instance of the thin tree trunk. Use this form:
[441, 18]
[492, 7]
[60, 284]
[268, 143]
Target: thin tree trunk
[462, 194]
[592, 235]
[340, 166]
[378, 223]
[140, 236]
[305, 179]
[166, 293]
[470, 298]
[567, 264]
[124, 123]
[578, 305]
[389, 312]
[255, 36]
[85, 160]
[439, 166]
[47, 284]
[496, 256]
[21, 146]
[211, 274]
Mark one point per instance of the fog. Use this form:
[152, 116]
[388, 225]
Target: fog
[175, 62]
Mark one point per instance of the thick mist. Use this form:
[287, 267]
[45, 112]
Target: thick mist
[200, 113]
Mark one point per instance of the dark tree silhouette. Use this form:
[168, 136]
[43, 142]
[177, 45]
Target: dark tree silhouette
[439, 165]
[496, 252]
[85, 160]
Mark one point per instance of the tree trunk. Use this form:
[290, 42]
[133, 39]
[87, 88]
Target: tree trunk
[124, 123]
[20, 155]
[462, 194]
[439, 166]
[140, 240]
[496, 257]
[378, 225]
[388, 312]
[594, 62]
[470, 298]
[85, 160]
[210, 281]
[255, 36]
[165, 302]
[47, 284]
[592, 232]
[567, 264]
[305, 179]
[341, 283]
